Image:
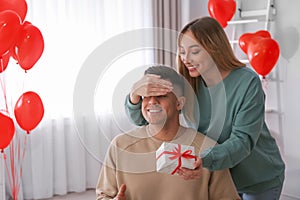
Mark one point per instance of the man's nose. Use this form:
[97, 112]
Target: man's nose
[153, 100]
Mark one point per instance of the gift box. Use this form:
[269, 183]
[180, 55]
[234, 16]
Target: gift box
[170, 157]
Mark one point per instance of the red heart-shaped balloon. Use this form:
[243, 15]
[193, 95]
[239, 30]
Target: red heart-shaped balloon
[222, 10]
[263, 53]
[246, 38]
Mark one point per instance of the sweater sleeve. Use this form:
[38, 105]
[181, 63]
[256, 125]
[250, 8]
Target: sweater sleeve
[107, 186]
[134, 112]
[246, 129]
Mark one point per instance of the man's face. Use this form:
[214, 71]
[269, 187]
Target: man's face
[161, 109]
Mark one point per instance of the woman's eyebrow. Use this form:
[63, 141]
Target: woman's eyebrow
[192, 46]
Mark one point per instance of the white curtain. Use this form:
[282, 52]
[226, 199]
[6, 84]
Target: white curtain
[64, 152]
[167, 15]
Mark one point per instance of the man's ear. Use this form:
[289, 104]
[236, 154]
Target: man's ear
[181, 102]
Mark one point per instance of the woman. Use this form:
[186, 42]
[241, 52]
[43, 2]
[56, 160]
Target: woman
[231, 111]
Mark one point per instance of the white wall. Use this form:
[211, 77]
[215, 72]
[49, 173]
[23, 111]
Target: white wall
[283, 92]
[287, 28]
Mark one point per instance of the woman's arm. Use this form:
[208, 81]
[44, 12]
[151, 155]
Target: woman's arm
[134, 112]
[246, 129]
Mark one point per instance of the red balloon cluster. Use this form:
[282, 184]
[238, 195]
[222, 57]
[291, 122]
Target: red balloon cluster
[18, 38]
[262, 51]
[23, 42]
[222, 10]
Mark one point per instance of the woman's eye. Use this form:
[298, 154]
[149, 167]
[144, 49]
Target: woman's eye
[195, 52]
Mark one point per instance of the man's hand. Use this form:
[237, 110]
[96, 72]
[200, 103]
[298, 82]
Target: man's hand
[189, 174]
[149, 85]
[121, 193]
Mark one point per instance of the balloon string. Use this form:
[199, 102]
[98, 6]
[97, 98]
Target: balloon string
[3, 86]
[18, 167]
[265, 83]
[24, 81]
[12, 168]
[21, 158]
[21, 162]
[8, 174]
[15, 173]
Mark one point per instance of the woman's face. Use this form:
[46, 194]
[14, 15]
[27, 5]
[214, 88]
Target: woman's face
[195, 58]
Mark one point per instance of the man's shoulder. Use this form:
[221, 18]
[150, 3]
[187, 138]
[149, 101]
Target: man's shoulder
[125, 139]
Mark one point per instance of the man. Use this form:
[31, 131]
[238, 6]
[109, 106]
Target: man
[129, 170]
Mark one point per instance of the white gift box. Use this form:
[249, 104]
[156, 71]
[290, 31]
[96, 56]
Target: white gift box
[170, 157]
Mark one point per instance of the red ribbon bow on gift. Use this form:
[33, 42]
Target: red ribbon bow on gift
[177, 155]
